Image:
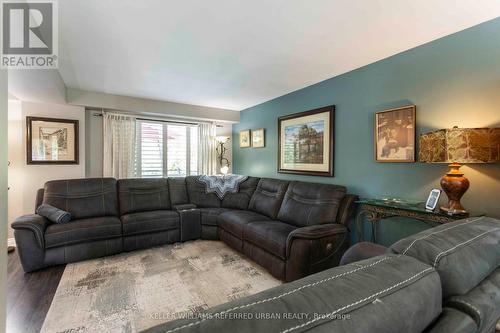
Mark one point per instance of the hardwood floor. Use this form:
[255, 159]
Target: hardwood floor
[29, 295]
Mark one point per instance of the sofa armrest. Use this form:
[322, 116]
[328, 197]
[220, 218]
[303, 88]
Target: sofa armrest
[35, 223]
[347, 209]
[178, 208]
[314, 232]
[39, 198]
[362, 251]
[314, 248]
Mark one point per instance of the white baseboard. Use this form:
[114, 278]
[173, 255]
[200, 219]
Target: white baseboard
[11, 242]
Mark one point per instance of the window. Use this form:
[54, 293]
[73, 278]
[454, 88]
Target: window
[166, 149]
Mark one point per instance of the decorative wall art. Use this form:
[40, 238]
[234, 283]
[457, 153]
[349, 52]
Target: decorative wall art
[245, 139]
[395, 135]
[306, 142]
[258, 138]
[52, 141]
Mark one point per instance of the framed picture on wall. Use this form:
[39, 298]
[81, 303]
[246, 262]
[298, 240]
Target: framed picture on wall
[52, 141]
[394, 139]
[305, 142]
[258, 139]
[245, 139]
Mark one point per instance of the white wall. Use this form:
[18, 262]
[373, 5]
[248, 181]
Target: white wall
[24, 180]
[16, 161]
[37, 85]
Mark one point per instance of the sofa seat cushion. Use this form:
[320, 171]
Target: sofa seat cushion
[269, 235]
[146, 222]
[83, 230]
[233, 221]
[209, 215]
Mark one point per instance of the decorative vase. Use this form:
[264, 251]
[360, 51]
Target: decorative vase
[454, 184]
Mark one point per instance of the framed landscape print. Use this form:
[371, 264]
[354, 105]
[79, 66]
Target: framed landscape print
[51, 141]
[245, 139]
[306, 142]
[258, 140]
[395, 135]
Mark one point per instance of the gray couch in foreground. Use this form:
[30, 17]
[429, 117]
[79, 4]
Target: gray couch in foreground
[445, 279]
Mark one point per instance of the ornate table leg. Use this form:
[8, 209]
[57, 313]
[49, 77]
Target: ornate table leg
[372, 217]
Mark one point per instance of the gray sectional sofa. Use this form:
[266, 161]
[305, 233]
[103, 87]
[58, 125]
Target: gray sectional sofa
[293, 229]
[443, 280]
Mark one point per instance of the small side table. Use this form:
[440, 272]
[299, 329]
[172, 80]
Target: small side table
[377, 209]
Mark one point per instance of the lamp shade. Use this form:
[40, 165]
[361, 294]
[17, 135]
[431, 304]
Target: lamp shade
[461, 145]
[222, 139]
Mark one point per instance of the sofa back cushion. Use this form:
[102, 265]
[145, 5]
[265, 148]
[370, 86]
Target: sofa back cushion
[241, 199]
[178, 191]
[83, 198]
[198, 195]
[463, 252]
[268, 196]
[311, 203]
[140, 195]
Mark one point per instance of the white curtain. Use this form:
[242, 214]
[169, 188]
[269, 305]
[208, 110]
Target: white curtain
[207, 156]
[119, 146]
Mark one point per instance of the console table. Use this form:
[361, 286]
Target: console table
[377, 209]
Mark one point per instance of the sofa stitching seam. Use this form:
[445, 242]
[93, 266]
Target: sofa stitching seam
[360, 301]
[66, 242]
[84, 228]
[153, 220]
[445, 252]
[437, 232]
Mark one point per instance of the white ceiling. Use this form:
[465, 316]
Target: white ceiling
[238, 53]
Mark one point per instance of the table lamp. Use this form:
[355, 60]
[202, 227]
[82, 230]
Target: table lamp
[457, 146]
[221, 154]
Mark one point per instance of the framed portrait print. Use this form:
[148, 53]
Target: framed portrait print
[245, 139]
[258, 140]
[52, 141]
[305, 142]
[394, 139]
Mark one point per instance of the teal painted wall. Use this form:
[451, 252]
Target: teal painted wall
[453, 81]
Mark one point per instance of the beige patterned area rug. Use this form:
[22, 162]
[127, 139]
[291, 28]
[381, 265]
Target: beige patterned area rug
[133, 291]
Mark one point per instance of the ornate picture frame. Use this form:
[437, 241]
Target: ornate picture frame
[306, 142]
[52, 141]
[245, 139]
[258, 138]
[395, 135]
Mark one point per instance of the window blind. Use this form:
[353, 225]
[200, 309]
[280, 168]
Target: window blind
[166, 149]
